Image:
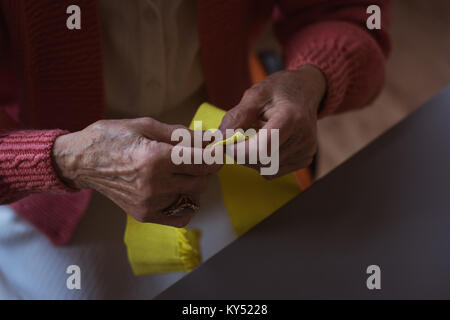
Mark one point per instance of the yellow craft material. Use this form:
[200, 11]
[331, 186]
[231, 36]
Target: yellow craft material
[248, 198]
[154, 248]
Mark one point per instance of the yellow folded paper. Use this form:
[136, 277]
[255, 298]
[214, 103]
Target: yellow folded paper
[248, 197]
[154, 248]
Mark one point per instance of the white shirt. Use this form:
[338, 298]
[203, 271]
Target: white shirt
[151, 56]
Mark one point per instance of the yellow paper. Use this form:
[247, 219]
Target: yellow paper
[154, 248]
[248, 197]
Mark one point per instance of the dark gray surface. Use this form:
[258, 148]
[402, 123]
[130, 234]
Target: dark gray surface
[389, 205]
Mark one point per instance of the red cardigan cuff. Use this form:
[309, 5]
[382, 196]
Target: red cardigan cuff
[26, 165]
[350, 58]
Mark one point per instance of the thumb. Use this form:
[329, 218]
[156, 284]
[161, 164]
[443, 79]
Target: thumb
[156, 130]
[246, 113]
[238, 118]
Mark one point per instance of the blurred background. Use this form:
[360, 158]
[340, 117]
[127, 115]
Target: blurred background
[419, 67]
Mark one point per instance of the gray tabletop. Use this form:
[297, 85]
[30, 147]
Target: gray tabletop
[387, 206]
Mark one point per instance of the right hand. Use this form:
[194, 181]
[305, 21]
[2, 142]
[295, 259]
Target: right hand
[129, 161]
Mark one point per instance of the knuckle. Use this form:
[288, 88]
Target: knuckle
[254, 92]
[146, 121]
[248, 94]
[99, 125]
[100, 122]
[230, 118]
[173, 127]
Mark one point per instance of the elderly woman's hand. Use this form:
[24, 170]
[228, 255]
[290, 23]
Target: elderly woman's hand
[129, 161]
[288, 101]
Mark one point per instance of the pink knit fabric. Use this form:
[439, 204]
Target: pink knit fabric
[26, 165]
[59, 76]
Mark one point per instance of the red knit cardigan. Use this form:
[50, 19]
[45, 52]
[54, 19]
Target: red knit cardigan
[51, 79]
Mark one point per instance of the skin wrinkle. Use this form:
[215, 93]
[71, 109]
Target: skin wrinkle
[116, 158]
[129, 161]
[292, 106]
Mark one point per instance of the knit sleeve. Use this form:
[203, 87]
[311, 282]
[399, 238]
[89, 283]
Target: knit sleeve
[333, 37]
[26, 165]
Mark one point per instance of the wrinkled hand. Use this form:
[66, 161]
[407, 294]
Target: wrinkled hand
[129, 161]
[288, 101]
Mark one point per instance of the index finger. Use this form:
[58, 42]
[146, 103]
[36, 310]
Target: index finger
[248, 111]
[280, 121]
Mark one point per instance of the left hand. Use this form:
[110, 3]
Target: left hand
[288, 101]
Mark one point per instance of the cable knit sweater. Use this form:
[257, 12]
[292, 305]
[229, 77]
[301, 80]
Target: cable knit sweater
[51, 79]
